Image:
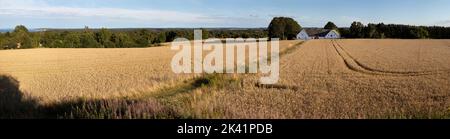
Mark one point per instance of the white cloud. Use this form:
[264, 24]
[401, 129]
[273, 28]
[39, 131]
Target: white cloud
[443, 23]
[40, 9]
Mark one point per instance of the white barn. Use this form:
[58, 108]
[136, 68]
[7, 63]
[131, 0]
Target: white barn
[332, 34]
[316, 33]
[303, 35]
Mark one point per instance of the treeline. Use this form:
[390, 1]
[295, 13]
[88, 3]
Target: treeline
[103, 38]
[280, 27]
[381, 30]
[243, 33]
[20, 37]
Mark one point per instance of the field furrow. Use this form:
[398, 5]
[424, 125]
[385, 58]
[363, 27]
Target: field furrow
[410, 57]
[358, 66]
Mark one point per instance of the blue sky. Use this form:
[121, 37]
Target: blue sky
[217, 13]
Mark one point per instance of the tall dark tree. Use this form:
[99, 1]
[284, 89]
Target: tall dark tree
[371, 31]
[284, 28]
[330, 25]
[292, 28]
[345, 32]
[171, 35]
[356, 30]
[276, 28]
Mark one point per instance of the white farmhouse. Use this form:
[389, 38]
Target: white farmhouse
[317, 33]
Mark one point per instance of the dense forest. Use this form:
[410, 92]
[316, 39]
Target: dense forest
[280, 27]
[381, 30]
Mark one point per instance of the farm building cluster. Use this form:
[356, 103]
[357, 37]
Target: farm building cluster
[317, 33]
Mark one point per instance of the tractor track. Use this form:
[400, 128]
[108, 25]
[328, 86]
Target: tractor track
[357, 66]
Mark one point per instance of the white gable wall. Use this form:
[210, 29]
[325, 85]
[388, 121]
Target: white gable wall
[303, 35]
[333, 35]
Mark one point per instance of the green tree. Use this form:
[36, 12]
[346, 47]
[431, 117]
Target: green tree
[104, 38]
[87, 40]
[22, 37]
[205, 34]
[292, 28]
[49, 38]
[345, 32]
[283, 28]
[371, 31]
[2, 39]
[161, 38]
[35, 39]
[122, 40]
[20, 28]
[356, 30]
[276, 28]
[171, 35]
[419, 33]
[72, 40]
[142, 38]
[331, 25]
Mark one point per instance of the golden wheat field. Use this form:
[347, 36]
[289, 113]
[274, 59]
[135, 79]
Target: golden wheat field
[318, 79]
[57, 74]
[53, 75]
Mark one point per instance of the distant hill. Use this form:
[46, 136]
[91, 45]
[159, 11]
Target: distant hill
[132, 29]
[31, 30]
[151, 29]
[5, 30]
